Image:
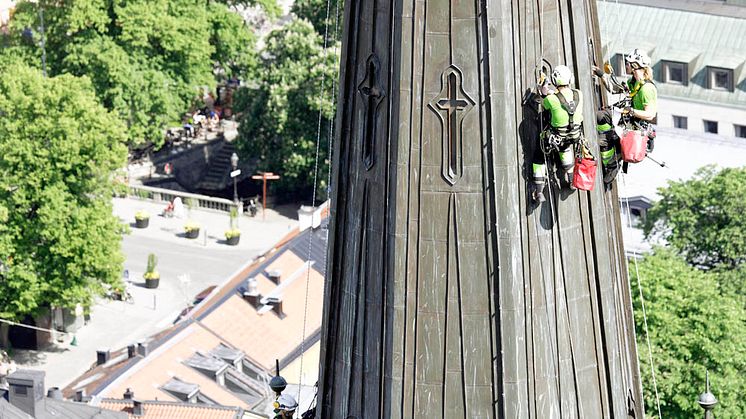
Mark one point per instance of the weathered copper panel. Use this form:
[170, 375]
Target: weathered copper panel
[450, 294]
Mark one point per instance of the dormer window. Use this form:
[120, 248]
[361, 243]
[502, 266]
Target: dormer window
[674, 72]
[720, 79]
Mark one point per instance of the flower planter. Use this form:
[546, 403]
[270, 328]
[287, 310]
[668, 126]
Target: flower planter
[142, 222]
[192, 234]
[233, 241]
[152, 282]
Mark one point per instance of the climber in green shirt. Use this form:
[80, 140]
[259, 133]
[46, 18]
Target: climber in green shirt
[643, 112]
[564, 131]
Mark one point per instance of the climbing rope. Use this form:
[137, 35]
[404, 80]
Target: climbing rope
[316, 171]
[644, 312]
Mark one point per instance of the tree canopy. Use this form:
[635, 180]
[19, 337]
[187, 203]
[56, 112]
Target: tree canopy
[280, 115]
[58, 150]
[316, 12]
[693, 326]
[704, 218]
[147, 59]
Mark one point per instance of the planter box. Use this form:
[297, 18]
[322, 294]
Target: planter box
[192, 234]
[152, 283]
[142, 223]
[233, 240]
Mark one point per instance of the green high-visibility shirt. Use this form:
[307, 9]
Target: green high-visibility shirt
[647, 95]
[560, 117]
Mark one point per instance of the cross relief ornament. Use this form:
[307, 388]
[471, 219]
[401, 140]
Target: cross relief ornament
[372, 92]
[451, 105]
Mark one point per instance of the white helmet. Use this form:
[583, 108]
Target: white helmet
[639, 58]
[286, 402]
[562, 76]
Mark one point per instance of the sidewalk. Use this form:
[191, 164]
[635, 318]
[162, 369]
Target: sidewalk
[187, 266]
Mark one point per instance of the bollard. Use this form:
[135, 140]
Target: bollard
[154, 306]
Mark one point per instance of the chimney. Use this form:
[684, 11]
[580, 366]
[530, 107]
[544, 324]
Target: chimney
[26, 391]
[131, 351]
[276, 304]
[251, 285]
[54, 393]
[255, 300]
[251, 295]
[80, 395]
[102, 356]
[142, 348]
[274, 276]
[137, 409]
[128, 394]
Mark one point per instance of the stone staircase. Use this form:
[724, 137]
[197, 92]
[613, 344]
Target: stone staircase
[218, 170]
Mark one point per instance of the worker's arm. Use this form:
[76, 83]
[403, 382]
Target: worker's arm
[647, 114]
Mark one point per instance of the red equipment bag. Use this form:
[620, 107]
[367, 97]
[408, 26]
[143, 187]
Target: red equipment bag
[634, 146]
[584, 177]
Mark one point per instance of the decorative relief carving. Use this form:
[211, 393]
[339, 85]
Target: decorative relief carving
[451, 105]
[373, 93]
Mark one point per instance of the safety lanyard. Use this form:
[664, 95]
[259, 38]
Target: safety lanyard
[636, 89]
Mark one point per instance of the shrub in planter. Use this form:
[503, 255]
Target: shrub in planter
[191, 229]
[152, 277]
[232, 236]
[142, 219]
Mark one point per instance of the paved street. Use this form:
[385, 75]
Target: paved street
[186, 267]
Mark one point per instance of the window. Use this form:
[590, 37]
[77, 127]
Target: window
[720, 79]
[740, 130]
[711, 126]
[674, 72]
[680, 122]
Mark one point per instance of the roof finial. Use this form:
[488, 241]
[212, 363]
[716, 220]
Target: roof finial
[707, 400]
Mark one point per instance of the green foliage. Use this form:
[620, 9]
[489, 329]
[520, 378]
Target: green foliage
[233, 232]
[148, 59]
[142, 215]
[152, 263]
[58, 150]
[280, 115]
[693, 326]
[316, 11]
[704, 218]
[234, 218]
[270, 7]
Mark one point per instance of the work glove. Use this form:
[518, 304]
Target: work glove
[597, 71]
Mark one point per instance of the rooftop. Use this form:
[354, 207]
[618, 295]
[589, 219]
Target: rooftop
[696, 39]
[173, 410]
[225, 349]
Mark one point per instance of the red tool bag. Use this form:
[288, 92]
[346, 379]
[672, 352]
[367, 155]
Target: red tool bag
[584, 176]
[634, 146]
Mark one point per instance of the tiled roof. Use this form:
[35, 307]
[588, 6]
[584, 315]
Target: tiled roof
[696, 38]
[55, 409]
[225, 328]
[171, 410]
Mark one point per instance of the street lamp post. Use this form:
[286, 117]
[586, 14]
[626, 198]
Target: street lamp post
[234, 164]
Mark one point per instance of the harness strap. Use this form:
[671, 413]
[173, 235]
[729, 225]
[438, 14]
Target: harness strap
[572, 130]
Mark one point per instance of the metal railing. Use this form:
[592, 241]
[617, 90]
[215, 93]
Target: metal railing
[203, 202]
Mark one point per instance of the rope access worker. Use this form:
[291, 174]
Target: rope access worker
[642, 113]
[285, 406]
[565, 128]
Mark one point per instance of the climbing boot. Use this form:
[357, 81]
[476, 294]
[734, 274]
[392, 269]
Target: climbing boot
[568, 179]
[537, 193]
